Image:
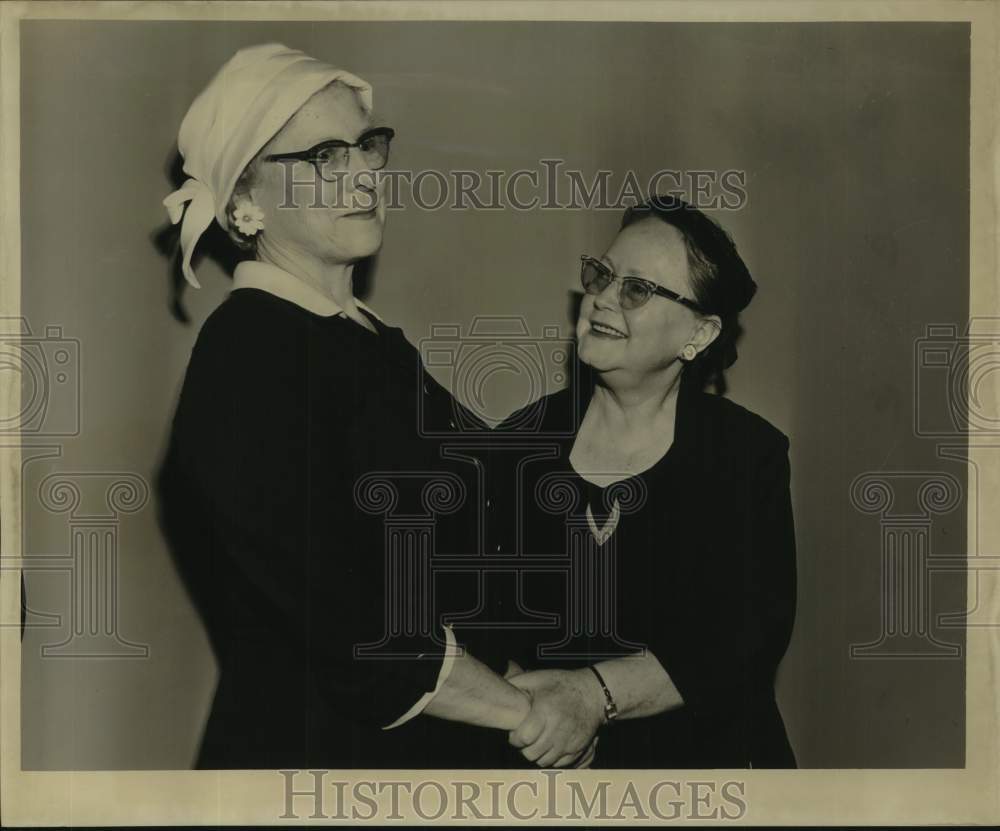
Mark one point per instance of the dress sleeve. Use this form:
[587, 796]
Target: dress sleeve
[724, 664]
[270, 455]
[451, 652]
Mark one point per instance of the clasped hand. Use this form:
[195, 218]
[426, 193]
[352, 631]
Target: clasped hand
[567, 710]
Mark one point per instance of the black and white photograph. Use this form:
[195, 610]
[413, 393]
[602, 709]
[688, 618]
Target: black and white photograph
[454, 412]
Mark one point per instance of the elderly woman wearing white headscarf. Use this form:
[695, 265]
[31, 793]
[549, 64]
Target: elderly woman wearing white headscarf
[295, 389]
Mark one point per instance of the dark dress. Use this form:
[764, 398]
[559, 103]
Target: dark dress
[281, 412]
[700, 570]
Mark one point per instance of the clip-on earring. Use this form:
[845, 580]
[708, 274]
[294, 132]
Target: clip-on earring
[249, 218]
[689, 353]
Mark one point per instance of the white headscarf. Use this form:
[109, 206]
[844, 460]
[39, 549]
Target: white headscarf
[248, 101]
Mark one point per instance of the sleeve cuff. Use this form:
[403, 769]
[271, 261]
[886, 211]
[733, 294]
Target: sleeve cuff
[451, 651]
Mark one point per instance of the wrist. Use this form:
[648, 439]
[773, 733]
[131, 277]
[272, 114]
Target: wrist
[608, 707]
[593, 694]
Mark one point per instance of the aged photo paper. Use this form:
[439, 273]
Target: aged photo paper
[449, 502]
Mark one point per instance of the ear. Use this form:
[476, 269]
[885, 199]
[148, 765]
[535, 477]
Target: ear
[242, 191]
[248, 182]
[706, 331]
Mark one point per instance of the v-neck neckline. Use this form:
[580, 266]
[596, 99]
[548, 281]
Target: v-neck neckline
[684, 425]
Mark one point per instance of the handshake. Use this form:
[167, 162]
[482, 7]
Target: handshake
[566, 712]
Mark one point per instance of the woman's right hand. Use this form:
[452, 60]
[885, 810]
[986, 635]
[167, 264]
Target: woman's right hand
[567, 709]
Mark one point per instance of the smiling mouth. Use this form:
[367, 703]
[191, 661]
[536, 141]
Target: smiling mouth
[606, 331]
[368, 213]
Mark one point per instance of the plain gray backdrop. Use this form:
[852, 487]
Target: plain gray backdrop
[855, 142]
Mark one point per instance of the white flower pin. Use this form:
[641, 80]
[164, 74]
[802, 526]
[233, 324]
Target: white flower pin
[248, 217]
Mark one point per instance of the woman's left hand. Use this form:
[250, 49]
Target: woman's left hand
[567, 710]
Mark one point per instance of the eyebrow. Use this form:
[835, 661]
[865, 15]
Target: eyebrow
[367, 129]
[614, 268]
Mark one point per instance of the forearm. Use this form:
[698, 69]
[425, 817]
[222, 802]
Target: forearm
[639, 685]
[474, 694]
[568, 706]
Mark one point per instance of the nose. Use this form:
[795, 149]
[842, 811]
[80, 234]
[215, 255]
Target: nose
[357, 166]
[361, 178]
[608, 299]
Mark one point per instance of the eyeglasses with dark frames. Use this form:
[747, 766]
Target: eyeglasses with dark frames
[633, 292]
[331, 158]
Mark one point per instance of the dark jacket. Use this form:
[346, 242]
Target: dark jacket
[701, 571]
[281, 412]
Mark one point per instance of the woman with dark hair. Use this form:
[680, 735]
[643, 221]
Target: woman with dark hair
[671, 509]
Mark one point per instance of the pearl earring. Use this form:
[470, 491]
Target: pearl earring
[689, 353]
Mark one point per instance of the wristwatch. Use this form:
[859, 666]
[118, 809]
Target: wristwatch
[610, 708]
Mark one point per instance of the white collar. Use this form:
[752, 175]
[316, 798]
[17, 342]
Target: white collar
[252, 274]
